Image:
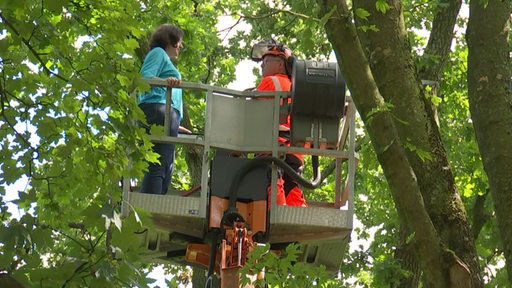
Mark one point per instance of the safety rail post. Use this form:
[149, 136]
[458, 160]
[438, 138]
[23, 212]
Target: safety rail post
[343, 134]
[275, 146]
[167, 118]
[205, 165]
[351, 161]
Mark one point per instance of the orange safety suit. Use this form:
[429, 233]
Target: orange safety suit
[288, 192]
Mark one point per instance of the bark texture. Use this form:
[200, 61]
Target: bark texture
[385, 73]
[434, 60]
[7, 281]
[395, 73]
[490, 99]
[387, 144]
[438, 47]
[407, 258]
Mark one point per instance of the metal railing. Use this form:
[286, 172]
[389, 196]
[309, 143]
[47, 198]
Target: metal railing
[248, 137]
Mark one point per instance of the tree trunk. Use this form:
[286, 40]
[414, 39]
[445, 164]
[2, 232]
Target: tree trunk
[388, 146]
[435, 58]
[395, 74]
[440, 40]
[438, 47]
[7, 281]
[490, 99]
[405, 254]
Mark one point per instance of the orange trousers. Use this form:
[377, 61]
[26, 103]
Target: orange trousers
[295, 196]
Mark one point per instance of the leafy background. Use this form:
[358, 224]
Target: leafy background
[67, 70]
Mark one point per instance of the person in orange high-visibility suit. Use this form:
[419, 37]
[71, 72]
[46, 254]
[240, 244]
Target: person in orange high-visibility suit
[276, 68]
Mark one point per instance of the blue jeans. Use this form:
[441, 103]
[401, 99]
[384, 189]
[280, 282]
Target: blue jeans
[158, 178]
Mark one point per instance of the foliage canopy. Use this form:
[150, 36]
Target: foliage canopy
[67, 70]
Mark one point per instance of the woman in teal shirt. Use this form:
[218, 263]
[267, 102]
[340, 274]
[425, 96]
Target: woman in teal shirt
[165, 44]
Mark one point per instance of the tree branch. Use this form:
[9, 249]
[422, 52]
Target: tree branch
[29, 46]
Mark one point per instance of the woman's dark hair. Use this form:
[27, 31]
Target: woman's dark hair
[164, 35]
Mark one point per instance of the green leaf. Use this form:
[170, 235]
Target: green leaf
[328, 15]
[410, 237]
[382, 6]
[362, 13]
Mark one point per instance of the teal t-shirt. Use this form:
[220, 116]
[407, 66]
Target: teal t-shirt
[157, 64]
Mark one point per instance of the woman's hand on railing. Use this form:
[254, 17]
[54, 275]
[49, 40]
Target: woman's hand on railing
[182, 129]
[173, 82]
